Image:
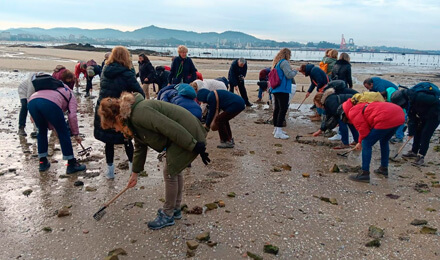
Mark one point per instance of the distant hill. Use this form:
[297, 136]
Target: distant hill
[151, 35]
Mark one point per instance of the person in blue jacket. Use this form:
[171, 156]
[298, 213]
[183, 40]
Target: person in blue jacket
[376, 84]
[230, 105]
[182, 68]
[236, 75]
[281, 92]
[185, 98]
[318, 79]
[167, 93]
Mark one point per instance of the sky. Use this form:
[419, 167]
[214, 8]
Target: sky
[401, 23]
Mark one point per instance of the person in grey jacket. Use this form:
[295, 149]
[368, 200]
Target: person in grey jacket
[25, 90]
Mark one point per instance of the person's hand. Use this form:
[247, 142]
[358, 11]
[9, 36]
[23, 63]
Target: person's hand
[358, 147]
[133, 180]
[236, 89]
[315, 134]
[410, 137]
[199, 148]
[205, 158]
[308, 94]
[146, 80]
[78, 139]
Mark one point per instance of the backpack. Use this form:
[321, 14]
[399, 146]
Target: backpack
[274, 78]
[91, 63]
[45, 81]
[367, 97]
[427, 87]
[323, 66]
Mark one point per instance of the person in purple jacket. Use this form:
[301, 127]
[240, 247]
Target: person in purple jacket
[47, 107]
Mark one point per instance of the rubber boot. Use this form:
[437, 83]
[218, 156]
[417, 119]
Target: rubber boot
[110, 171]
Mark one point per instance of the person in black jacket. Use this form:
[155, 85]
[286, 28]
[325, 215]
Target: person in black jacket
[162, 77]
[236, 75]
[117, 77]
[423, 118]
[182, 68]
[147, 74]
[92, 71]
[342, 70]
[340, 87]
[331, 103]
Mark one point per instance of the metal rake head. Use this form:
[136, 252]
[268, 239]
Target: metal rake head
[85, 151]
[98, 215]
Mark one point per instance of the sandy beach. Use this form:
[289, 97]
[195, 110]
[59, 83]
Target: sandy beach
[274, 203]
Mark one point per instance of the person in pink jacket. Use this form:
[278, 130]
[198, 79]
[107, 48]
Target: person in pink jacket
[47, 107]
[376, 121]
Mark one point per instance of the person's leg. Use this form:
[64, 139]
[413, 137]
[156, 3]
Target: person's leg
[428, 130]
[88, 86]
[41, 123]
[179, 191]
[243, 92]
[23, 114]
[343, 131]
[385, 146]
[171, 191]
[129, 149]
[417, 138]
[109, 153]
[146, 89]
[231, 88]
[399, 133]
[276, 110]
[354, 133]
[283, 106]
[260, 93]
[367, 147]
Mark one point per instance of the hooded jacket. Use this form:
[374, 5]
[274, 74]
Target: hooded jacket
[342, 71]
[185, 98]
[286, 74]
[331, 102]
[380, 85]
[229, 102]
[330, 64]
[115, 79]
[182, 70]
[161, 125]
[235, 72]
[167, 93]
[211, 84]
[146, 70]
[340, 87]
[377, 115]
[57, 74]
[422, 107]
[318, 78]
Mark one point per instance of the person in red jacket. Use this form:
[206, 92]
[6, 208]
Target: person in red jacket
[376, 121]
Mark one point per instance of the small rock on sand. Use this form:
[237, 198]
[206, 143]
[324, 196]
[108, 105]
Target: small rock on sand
[64, 212]
[192, 244]
[428, 230]
[375, 232]
[254, 256]
[373, 243]
[27, 192]
[419, 222]
[78, 183]
[271, 249]
[211, 206]
[203, 236]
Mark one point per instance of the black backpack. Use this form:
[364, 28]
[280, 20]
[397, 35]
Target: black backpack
[45, 81]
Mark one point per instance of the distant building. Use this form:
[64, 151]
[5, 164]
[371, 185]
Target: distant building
[5, 36]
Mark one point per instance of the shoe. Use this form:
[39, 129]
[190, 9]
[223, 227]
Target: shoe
[177, 214]
[162, 220]
[396, 140]
[280, 135]
[340, 147]
[225, 145]
[44, 166]
[361, 177]
[34, 134]
[410, 154]
[21, 132]
[353, 143]
[249, 104]
[74, 167]
[382, 170]
[274, 130]
[259, 101]
[232, 141]
[420, 161]
[336, 137]
[87, 94]
[111, 171]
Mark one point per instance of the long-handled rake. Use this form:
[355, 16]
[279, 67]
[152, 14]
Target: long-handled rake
[101, 212]
[400, 149]
[84, 151]
[301, 104]
[345, 154]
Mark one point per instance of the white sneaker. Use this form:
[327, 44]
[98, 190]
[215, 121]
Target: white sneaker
[274, 130]
[279, 134]
[336, 137]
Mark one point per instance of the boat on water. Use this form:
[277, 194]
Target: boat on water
[388, 59]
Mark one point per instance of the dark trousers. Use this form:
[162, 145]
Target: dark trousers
[343, 130]
[23, 113]
[89, 84]
[224, 129]
[242, 89]
[110, 151]
[424, 132]
[44, 112]
[280, 110]
[383, 136]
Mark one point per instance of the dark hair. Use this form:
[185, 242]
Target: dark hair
[144, 56]
[302, 68]
[368, 81]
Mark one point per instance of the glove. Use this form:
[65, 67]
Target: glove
[199, 148]
[205, 158]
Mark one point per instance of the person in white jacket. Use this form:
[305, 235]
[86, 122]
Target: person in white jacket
[210, 84]
[25, 90]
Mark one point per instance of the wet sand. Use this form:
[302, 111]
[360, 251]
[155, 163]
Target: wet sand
[271, 206]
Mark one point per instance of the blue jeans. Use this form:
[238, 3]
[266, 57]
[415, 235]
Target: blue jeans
[381, 135]
[399, 133]
[23, 113]
[44, 112]
[343, 130]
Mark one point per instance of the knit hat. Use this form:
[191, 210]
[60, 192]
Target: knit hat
[399, 97]
[202, 95]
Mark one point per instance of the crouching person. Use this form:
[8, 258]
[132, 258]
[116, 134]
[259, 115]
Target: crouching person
[158, 125]
[376, 121]
[230, 104]
[47, 107]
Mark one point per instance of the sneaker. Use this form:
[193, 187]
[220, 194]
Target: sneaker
[162, 220]
[336, 137]
[410, 154]
[177, 214]
[225, 145]
[259, 101]
[281, 135]
[44, 166]
[361, 177]
[273, 132]
[382, 170]
[249, 104]
[87, 94]
[420, 161]
[396, 140]
[75, 167]
[21, 132]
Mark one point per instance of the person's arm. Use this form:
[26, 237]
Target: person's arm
[288, 72]
[139, 156]
[193, 70]
[412, 122]
[311, 87]
[151, 73]
[132, 83]
[348, 77]
[362, 126]
[174, 67]
[73, 107]
[244, 70]
[212, 104]
[232, 75]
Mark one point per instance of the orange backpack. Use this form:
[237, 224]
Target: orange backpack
[323, 66]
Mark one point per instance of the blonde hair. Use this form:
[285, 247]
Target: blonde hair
[318, 99]
[194, 86]
[284, 53]
[182, 48]
[113, 113]
[120, 55]
[344, 56]
[327, 52]
[333, 54]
